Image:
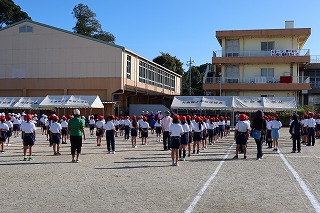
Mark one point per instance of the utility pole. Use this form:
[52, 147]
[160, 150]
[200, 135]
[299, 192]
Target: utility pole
[189, 64]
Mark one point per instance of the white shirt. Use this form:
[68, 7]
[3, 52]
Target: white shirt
[242, 126]
[28, 127]
[127, 122]
[166, 123]
[196, 127]
[99, 124]
[311, 122]
[157, 124]
[116, 122]
[108, 126]
[64, 124]
[92, 121]
[55, 127]
[4, 127]
[269, 125]
[185, 128]
[144, 125]
[191, 126]
[176, 130]
[276, 124]
[9, 123]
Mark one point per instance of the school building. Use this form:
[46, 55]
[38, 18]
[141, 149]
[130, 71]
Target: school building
[260, 63]
[37, 60]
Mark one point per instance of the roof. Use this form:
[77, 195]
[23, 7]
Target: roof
[61, 30]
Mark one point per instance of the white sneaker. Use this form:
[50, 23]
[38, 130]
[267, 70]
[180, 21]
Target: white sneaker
[114, 152]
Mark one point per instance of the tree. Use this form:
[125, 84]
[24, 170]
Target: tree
[88, 25]
[169, 62]
[196, 82]
[11, 13]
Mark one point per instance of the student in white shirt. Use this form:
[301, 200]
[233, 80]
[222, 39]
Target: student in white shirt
[9, 132]
[99, 129]
[144, 130]
[311, 124]
[92, 123]
[126, 124]
[175, 131]
[197, 135]
[241, 135]
[275, 134]
[64, 130]
[110, 130]
[134, 131]
[268, 130]
[158, 129]
[191, 129]
[28, 136]
[55, 135]
[184, 138]
[4, 128]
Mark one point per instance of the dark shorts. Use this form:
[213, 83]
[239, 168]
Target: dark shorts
[9, 133]
[196, 136]
[305, 131]
[144, 133]
[134, 132]
[227, 127]
[99, 132]
[28, 139]
[110, 136]
[184, 139]
[56, 138]
[210, 133]
[190, 137]
[241, 139]
[3, 137]
[44, 127]
[91, 126]
[64, 131]
[117, 127]
[16, 127]
[158, 130]
[175, 142]
[268, 133]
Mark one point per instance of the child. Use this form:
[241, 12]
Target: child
[191, 129]
[144, 131]
[275, 126]
[210, 131]
[110, 131]
[184, 138]
[152, 124]
[158, 129]
[28, 135]
[9, 132]
[55, 135]
[64, 130]
[126, 124]
[197, 135]
[175, 132]
[99, 129]
[3, 132]
[134, 131]
[92, 123]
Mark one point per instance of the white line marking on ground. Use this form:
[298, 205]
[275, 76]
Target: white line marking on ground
[302, 184]
[207, 183]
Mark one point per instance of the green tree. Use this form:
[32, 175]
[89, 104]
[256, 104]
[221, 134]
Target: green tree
[11, 13]
[88, 25]
[169, 62]
[196, 82]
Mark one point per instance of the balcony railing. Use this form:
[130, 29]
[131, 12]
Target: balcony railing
[253, 80]
[315, 59]
[258, 53]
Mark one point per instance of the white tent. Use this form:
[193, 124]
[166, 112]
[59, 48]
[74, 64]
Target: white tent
[8, 102]
[71, 101]
[28, 103]
[234, 103]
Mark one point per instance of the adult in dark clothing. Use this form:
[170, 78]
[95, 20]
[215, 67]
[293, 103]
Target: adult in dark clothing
[295, 131]
[259, 124]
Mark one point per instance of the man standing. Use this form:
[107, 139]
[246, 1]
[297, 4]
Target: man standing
[165, 124]
[76, 130]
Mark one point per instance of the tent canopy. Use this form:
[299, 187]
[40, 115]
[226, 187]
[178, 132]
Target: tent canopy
[71, 101]
[51, 101]
[238, 103]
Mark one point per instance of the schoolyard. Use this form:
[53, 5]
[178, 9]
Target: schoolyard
[142, 179]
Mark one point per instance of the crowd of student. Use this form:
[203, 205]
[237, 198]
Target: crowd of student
[183, 135]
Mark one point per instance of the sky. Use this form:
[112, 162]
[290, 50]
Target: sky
[183, 28]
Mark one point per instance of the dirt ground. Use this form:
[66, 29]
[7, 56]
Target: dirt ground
[142, 179]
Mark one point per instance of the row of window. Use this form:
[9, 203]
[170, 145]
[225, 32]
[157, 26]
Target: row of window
[155, 76]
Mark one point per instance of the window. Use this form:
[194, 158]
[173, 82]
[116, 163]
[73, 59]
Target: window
[232, 74]
[232, 48]
[25, 29]
[267, 45]
[268, 72]
[128, 66]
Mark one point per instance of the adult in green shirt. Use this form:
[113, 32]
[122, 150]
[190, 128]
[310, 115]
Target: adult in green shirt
[76, 131]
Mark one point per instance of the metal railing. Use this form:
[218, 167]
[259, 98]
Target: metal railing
[258, 53]
[254, 80]
[315, 59]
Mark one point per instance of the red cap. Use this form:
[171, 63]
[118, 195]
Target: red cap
[100, 117]
[242, 117]
[2, 118]
[182, 118]
[175, 116]
[134, 117]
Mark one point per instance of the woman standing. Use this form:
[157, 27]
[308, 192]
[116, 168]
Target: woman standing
[295, 131]
[275, 126]
[259, 124]
[76, 131]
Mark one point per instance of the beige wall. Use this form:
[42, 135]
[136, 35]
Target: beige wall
[275, 93]
[50, 53]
